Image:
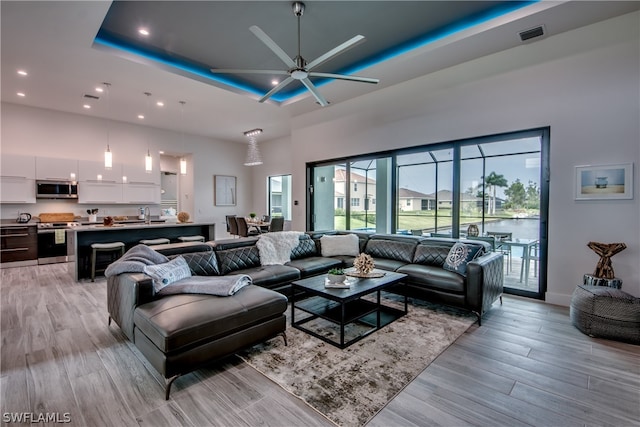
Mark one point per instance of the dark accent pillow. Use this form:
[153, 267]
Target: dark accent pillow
[459, 256]
[202, 263]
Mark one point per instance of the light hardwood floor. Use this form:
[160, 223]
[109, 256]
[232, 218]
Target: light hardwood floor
[525, 366]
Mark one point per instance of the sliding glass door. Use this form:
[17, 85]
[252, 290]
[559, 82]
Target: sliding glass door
[490, 188]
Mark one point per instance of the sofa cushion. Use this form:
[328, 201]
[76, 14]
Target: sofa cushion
[201, 263]
[460, 255]
[240, 258]
[312, 266]
[387, 264]
[269, 276]
[430, 254]
[347, 244]
[178, 321]
[306, 248]
[434, 278]
[166, 273]
[391, 249]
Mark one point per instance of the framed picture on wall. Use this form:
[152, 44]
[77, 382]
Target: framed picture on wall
[604, 182]
[224, 190]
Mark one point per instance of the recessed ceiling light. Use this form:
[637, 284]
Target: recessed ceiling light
[22, 72]
[21, 94]
[87, 106]
[140, 116]
[160, 104]
[143, 31]
[161, 152]
[99, 89]
[274, 82]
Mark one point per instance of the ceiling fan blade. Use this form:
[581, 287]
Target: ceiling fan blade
[336, 51]
[315, 92]
[273, 46]
[276, 89]
[345, 77]
[234, 71]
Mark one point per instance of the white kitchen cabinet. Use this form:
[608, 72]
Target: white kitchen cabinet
[140, 193]
[16, 189]
[93, 171]
[17, 179]
[136, 174]
[55, 169]
[99, 192]
[15, 165]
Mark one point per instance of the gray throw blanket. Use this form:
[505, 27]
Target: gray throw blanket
[221, 286]
[134, 261]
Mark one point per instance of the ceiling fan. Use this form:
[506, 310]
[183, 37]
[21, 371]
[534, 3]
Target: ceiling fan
[299, 69]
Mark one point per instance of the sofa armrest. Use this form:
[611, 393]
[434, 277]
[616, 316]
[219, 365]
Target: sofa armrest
[485, 281]
[124, 293]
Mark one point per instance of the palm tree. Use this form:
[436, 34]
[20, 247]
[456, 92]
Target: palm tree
[492, 181]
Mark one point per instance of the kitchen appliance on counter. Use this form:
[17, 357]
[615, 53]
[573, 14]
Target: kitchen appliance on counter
[53, 244]
[23, 218]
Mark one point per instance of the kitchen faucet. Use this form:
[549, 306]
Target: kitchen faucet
[147, 215]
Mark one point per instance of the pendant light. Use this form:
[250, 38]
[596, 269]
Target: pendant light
[253, 152]
[148, 160]
[183, 161]
[108, 157]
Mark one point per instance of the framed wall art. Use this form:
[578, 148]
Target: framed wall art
[604, 182]
[224, 190]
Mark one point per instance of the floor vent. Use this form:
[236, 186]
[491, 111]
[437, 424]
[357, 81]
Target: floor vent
[531, 33]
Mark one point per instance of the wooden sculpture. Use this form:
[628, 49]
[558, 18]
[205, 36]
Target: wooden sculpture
[604, 270]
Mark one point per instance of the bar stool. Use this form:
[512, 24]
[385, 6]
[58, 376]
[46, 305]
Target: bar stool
[111, 247]
[191, 238]
[151, 242]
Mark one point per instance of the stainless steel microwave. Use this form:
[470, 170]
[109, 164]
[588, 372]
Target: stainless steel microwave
[56, 189]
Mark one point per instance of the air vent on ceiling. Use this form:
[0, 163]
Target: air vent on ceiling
[531, 33]
[86, 95]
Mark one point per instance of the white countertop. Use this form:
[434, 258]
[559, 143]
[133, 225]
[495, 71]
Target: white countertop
[101, 227]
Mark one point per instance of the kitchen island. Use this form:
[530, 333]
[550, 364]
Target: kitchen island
[81, 238]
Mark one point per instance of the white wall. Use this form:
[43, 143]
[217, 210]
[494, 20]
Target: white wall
[584, 84]
[48, 133]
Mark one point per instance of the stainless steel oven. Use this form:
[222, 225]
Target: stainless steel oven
[53, 242]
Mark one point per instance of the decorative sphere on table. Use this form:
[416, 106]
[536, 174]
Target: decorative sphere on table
[183, 216]
[364, 264]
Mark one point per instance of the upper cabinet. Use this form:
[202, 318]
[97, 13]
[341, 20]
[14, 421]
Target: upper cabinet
[56, 169]
[93, 171]
[17, 182]
[135, 174]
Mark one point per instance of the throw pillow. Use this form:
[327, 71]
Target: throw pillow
[459, 256]
[346, 244]
[201, 263]
[167, 273]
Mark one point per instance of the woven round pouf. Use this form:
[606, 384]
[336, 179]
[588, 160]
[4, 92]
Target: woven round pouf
[604, 312]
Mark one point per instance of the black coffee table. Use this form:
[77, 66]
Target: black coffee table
[345, 306]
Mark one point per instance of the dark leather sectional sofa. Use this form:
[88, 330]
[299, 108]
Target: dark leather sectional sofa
[179, 333]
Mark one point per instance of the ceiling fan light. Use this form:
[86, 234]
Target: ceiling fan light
[299, 74]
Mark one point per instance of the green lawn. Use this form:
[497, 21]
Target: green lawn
[422, 220]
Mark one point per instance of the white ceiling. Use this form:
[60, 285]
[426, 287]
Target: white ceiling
[53, 41]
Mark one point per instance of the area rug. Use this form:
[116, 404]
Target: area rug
[350, 386]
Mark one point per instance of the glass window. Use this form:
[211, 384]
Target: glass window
[491, 183]
[279, 196]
